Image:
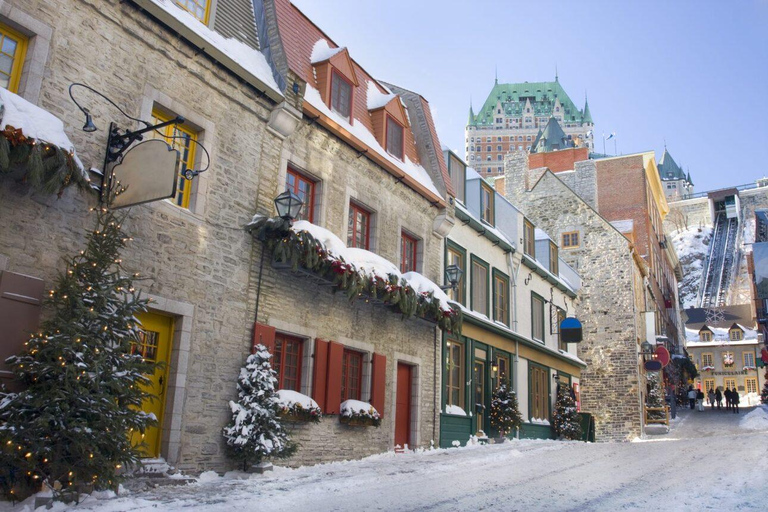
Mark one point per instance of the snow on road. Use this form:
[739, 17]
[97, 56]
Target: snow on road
[707, 462]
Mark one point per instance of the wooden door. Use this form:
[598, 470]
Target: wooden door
[478, 380]
[403, 406]
[155, 346]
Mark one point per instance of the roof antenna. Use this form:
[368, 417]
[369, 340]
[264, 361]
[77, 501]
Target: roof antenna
[497, 74]
[556, 77]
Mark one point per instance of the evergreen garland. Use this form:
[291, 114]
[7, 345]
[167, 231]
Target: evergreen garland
[566, 424]
[71, 427]
[302, 250]
[45, 167]
[655, 397]
[764, 393]
[505, 411]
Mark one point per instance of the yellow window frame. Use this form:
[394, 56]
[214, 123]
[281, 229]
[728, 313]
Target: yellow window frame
[184, 4]
[711, 358]
[18, 57]
[709, 384]
[750, 383]
[744, 356]
[186, 157]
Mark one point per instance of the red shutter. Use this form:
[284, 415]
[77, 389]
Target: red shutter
[379, 382]
[320, 375]
[333, 387]
[264, 335]
[20, 300]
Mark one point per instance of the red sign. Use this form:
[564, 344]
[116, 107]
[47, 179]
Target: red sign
[662, 355]
[764, 355]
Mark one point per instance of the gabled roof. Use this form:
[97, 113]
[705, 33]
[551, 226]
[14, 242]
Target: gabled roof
[668, 168]
[551, 139]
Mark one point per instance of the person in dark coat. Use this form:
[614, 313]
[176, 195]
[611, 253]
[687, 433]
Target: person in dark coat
[700, 400]
[727, 394]
[718, 398]
[735, 399]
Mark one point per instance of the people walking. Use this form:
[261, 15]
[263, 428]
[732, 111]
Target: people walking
[700, 400]
[711, 398]
[718, 398]
[691, 397]
[735, 399]
[727, 399]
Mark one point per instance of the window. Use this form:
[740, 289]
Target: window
[488, 148]
[529, 239]
[538, 392]
[736, 335]
[479, 285]
[707, 359]
[749, 359]
[455, 255]
[352, 375]
[457, 170]
[553, 262]
[394, 138]
[498, 148]
[287, 361]
[751, 384]
[560, 343]
[500, 298]
[502, 374]
[181, 138]
[341, 96]
[709, 384]
[408, 246]
[569, 240]
[500, 157]
[454, 381]
[730, 383]
[305, 189]
[537, 317]
[13, 49]
[359, 228]
[486, 204]
[705, 336]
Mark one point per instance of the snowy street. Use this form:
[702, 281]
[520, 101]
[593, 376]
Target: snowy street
[709, 461]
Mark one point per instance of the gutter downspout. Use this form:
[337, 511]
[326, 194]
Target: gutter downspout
[513, 272]
[637, 349]
[438, 398]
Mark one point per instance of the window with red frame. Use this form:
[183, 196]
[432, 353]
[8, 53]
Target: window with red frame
[359, 228]
[341, 95]
[394, 138]
[287, 361]
[305, 189]
[408, 248]
[352, 375]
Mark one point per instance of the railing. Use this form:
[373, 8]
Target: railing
[746, 186]
[662, 421]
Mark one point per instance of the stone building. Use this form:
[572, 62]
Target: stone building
[677, 185]
[276, 104]
[515, 292]
[614, 296]
[515, 115]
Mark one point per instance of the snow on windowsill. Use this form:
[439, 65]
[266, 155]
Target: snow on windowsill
[455, 410]
[35, 123]
[352, 407]
[248, 58]
[537, 421]
[358, 130]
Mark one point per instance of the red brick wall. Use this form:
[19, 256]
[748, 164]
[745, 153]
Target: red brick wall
[557, 161]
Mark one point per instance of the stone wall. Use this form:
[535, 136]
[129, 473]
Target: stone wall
[607, 304]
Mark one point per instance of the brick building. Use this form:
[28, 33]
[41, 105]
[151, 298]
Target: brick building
[515, 115]
[277, 105]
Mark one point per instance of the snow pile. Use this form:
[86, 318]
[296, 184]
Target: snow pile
[246, 57]
[34, 122]
[376, 98]
[455, 410]
[756, 420]
[692, 247]
[322, 51]
[358, 130]
[423, 286]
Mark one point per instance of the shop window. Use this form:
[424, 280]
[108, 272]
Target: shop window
[352, 375]
[503, 375]
[305, 189]
[13, 50]
[182, 138]
[537, 318]
[287, 361]
[408, 252]
[454, 381]
[751, 384]
[394, 138]
[538, 392]
[359, 227]
[709, 384]
[341, 96]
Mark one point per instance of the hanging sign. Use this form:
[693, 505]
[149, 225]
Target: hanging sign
[653, 365]
[570, 330]
[764, 355]
[662, 355]
[147, 172]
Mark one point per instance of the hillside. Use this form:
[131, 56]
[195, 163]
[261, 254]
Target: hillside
[691, 245]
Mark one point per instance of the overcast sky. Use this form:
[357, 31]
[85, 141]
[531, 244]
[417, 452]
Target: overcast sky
[692, 72]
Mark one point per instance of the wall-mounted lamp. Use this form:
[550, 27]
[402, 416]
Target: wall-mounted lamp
[453, 275]
[288, 205]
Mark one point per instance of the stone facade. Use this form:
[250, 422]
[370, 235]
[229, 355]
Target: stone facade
[610, 301]
[198, 264]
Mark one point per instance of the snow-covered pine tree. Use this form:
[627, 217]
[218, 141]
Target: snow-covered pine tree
[505, 412]
[566, 423]
[255, 431]
[764, 393]
[655, 397]
[84, 385]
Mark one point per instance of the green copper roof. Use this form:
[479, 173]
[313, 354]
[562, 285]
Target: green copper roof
[668, 168]
[471, 114]
[587, 115]
[542, 96]
[552, 138]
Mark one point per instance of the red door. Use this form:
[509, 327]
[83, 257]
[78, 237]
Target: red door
[403, 406]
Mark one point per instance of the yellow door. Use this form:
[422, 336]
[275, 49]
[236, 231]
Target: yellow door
[155, 346]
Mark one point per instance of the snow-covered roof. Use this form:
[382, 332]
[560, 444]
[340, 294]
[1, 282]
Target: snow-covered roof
[540, 234]
[720, 336]
[624, 226]
[322, 51]
[376, 98]
[472, 174]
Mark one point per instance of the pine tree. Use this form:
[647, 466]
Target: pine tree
[255, 431]
[764, 394]
[84, 385]
[655, 397]
[566, 422]
[505, 413]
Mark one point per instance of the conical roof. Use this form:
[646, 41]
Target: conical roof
[552, 138]
[587, 116]
[668, 168]
[471, 115]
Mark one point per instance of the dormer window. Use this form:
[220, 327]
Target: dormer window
[200, 9]
[736, 334]
[394, 138]
[341, 96]
[705, 335]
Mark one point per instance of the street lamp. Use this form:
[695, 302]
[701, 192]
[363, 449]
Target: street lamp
[453, 275]
[288, 205]
[646, 349]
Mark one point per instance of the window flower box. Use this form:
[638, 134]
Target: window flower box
[359, 414]
[708, 368]
[296, 407]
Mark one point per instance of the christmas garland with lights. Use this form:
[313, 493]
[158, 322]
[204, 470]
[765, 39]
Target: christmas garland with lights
[302, 250]
[45, 167]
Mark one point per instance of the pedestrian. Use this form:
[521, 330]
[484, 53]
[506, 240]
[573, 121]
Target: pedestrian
[711, 398]
[700, 400]
[727, 399]
[718, 398]
[691, 397]
[735, 399]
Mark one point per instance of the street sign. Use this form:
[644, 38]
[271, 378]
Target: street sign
[147, 172]
[662, 355]
[570, 330]
[653, 366]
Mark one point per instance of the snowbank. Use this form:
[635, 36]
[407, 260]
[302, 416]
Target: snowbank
[756, 420]
[692, 247]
